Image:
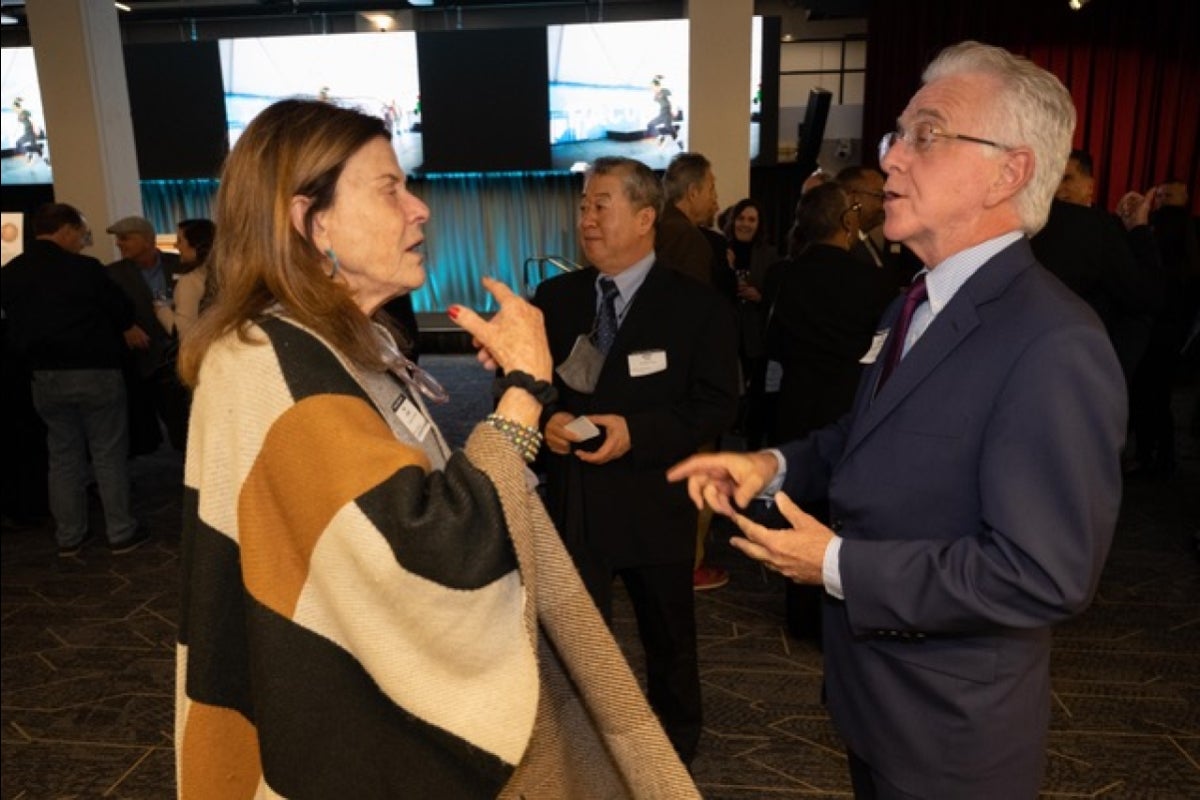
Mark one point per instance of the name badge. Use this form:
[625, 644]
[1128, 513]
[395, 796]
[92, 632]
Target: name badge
[647, 362]
[875, 348]
[411, 418]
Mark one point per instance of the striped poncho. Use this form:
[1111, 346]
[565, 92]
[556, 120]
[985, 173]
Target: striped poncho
[357, 624]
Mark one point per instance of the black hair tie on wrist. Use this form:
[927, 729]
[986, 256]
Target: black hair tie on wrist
[543, 392]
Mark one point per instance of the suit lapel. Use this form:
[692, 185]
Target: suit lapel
[947, 331]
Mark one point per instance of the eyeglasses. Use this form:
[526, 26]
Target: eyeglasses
[409, 374]
[922, 136]
[420, 380]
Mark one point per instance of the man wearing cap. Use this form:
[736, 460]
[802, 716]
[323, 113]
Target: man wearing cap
[147, 276]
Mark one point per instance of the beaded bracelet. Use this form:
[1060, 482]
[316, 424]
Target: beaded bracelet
[526, 438]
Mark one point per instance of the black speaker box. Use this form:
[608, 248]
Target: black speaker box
[812, 130]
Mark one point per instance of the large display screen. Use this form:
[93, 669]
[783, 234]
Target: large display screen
[373, 72]
[485, 100]
[24, 148]
[618, 88]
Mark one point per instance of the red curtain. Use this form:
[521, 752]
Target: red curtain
[1132, 67]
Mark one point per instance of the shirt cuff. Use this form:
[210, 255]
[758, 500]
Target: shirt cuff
[776, 483]
[831, 568]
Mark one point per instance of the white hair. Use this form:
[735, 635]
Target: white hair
[1032, 109]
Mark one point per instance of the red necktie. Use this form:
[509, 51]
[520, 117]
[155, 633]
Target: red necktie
[913, 298]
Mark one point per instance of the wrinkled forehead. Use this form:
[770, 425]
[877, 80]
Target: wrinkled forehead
[607, 186]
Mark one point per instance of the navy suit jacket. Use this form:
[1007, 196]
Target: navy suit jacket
[976, 496]
[624, 512]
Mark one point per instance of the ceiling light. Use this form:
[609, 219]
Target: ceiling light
[420, 2]
[380, 21]
[122, 7]
[1075, 5]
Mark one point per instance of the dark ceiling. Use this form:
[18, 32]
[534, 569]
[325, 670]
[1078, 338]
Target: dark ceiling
[157, 10]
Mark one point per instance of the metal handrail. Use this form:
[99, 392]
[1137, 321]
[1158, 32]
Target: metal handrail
[560, 263]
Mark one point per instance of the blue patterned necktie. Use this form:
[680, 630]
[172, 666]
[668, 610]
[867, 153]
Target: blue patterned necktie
[606, 321]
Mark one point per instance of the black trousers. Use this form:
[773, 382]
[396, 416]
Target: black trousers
[154, 397]
[664, 604]
[870, 785]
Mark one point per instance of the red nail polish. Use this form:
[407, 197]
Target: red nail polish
[452, 311]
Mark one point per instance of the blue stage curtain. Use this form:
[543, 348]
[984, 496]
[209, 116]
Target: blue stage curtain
[167, 202]
[480, 224]
[489, 224]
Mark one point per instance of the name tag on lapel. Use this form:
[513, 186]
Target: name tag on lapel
[411, 417]
[647, 362]
[875, 348]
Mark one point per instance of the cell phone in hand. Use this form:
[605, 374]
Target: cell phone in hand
[582, 428]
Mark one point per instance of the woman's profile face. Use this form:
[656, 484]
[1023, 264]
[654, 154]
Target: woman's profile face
[187, 253]
[745, 224]
[374, 227]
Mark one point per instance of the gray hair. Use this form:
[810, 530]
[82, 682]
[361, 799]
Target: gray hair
[685, 171]
[1032, 109]
[641, 188]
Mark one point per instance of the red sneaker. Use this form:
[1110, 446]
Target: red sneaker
[706, 577]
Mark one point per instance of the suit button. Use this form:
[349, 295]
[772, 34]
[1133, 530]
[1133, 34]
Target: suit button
[835, 525]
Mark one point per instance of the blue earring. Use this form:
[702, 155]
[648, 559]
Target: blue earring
[333, 259]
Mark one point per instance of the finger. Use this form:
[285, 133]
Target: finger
[599, 456]
[484, 357]
[792, 512]
[498, 290]
[767, 538]
[695, 490]
[757, 552]
[746, 490]
[469, 321]
[718, 501]
[603, 420]
[567, 435]
[691, 466]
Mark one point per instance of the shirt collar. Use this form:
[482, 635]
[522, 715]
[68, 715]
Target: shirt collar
[944, 281]
[630, 280]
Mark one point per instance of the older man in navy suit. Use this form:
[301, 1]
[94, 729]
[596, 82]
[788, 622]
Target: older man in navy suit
[974, 486]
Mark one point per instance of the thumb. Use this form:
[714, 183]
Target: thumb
[795, 515]
[498, 289]
[748, 485]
